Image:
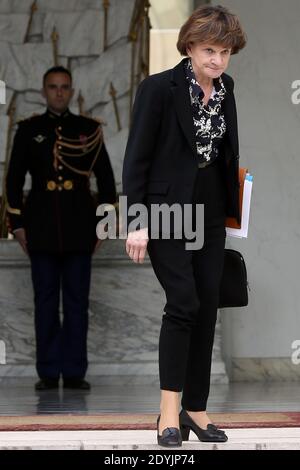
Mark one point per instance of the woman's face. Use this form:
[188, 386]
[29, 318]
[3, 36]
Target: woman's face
[209, 60]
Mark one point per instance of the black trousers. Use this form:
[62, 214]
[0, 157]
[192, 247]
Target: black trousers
[191, 281]
[61, 347]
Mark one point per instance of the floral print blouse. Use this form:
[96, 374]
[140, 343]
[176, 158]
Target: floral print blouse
[209, 120]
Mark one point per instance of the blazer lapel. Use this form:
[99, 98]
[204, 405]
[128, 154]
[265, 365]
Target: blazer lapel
[230, 114]
[182, 103]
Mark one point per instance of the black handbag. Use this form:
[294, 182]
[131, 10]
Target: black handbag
[234, 285]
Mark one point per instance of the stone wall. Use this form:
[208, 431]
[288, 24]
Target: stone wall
[258, 339]
[126, 307]
[80, 27]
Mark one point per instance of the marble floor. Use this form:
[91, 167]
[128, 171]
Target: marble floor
[18, 397]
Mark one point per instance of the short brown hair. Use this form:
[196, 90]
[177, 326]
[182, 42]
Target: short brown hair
[212, 24]
[57, 69]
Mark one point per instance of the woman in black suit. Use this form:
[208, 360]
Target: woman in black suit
[183, 148]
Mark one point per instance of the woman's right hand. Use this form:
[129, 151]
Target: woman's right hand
[136, 245]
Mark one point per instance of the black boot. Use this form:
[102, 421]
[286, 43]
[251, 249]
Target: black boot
[77, 384]
[46, 384]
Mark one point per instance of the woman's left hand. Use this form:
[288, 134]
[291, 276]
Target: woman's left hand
[136, 245]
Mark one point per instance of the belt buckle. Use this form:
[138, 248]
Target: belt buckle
[67, 185]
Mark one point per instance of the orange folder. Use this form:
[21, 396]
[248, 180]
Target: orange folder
[231, 221]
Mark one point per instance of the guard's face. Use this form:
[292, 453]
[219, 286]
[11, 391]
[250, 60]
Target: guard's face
[209, 60]
[58, 92]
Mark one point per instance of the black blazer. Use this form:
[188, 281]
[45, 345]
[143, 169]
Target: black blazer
[160, 164]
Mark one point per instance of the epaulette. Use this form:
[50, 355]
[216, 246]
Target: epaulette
[21, 120]
[99, 121]
[95, 119]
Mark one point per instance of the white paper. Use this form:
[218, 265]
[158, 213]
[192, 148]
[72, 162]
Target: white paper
[243, 231]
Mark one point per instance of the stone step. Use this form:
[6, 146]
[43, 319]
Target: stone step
[238, 439]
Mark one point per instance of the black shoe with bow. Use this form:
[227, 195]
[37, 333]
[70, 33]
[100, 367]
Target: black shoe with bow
[210, 434]
[170, 437]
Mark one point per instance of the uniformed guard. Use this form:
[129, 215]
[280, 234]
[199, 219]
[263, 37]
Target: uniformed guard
[56, 226]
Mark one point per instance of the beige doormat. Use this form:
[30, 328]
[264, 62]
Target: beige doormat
[126, 421]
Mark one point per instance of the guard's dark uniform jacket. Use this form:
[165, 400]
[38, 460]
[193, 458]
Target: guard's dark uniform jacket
[60, 153]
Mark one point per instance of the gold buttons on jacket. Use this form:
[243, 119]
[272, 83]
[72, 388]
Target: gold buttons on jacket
[68, 184]
[51, 186]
